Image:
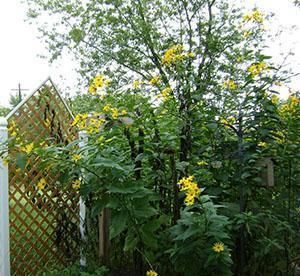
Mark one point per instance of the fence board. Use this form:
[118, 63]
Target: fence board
[44, 224]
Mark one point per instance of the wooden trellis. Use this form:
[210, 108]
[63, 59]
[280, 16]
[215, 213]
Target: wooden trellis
[44, 224]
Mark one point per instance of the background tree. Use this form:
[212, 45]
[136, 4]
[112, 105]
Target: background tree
[4, 111]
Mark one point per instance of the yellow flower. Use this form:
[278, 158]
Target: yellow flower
[76, 184]
[13, 134]
[291, 106]
[275, 99]
[190, 188]
[185, 182]
[76, 157]
[218, 247]
[165, 93]
[155, 80]
[298, 209]
[41, 184]
[191, 55]
[151, 273]
[95, 124]
[28, 148]
[262, 144]
[255, 16]
[246, 34]
[123, 112]
[99, 81]
[258, 16]
[106, 108]
[137, 83]
[12, 126]
[80, 120]
[173, 54]
[202, 163]
[47, 122]
[247, 17]
[92, 89]
[256, 68]
[230, 84]
[189, 200]
[12, 129]
[115, 113]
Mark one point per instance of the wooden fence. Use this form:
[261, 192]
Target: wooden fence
[43, 223]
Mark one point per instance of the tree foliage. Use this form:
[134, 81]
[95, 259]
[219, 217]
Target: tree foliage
[182, 110]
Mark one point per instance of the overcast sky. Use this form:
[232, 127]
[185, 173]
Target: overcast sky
[20, 47]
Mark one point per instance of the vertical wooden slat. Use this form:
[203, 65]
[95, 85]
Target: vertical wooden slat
[104, 236]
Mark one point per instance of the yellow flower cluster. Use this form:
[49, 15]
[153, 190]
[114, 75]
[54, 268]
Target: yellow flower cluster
[91, 124]
[275, 99]
[12, 129]
[151, 273]
[27, 148]
[95, 124]
[255, 16]
[41, 184]
[175, 54]
[76, 184]
[190, 188]
[218, 247]
[99, 81]
[115, 112]
[230, 84]
[155, 80]
[256, 68]
[165, 93]
[137, 83]
[292, 105]
[80, 120]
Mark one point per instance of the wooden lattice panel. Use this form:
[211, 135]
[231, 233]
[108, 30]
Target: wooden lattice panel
[43, 223]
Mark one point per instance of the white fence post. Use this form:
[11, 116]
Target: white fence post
[82, 208]
[4, 217]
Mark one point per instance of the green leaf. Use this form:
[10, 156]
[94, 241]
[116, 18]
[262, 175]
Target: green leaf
[76, 35]
[21, 160]
[144, 211]
[118, 223]
[106, 163]
[130, 241]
